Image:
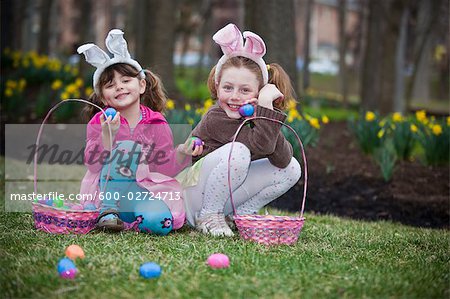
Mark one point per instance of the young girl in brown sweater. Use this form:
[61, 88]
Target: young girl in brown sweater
[262, 165]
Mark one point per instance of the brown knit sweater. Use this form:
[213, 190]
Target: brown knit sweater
[263, 138]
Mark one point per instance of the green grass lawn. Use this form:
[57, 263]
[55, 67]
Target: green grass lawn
[333, 258]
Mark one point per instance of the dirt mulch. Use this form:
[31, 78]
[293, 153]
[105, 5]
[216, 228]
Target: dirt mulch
[344, 182]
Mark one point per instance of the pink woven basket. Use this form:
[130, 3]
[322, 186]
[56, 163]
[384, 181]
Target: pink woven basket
[60, 221]
[56, 220]
[268, 229]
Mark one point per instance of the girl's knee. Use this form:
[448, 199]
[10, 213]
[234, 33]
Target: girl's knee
[292, 172]
[240, 155]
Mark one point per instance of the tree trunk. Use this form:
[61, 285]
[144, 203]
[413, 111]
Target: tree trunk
[308, 14]
[7, 21]
[378, 83]
[85, 30]
[370, 82]
[428, 15]
[44, 26]
[343, 84]
[158, 39]
[399, 98]
[274, 22]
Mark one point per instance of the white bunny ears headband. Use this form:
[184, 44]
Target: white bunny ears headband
[230, 40]
[117, 45]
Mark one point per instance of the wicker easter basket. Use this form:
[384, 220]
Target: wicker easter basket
[268, 229]
[56, 220]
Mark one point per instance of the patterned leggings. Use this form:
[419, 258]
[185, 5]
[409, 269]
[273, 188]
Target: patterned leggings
[254, 183]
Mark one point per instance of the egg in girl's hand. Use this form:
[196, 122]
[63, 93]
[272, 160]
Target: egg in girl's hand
[246, 110]
[111, 112]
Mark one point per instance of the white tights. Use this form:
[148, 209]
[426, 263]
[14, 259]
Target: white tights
[254, 183]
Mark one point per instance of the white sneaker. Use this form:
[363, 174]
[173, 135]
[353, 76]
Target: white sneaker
[213, 224]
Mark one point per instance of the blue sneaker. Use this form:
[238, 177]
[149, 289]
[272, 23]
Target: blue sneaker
[109, 221]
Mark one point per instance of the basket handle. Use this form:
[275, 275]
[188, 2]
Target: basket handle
[303, 156]
[42, 127]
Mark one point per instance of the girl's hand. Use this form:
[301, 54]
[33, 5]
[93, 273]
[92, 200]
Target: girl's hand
[114, 124]
[268, 94]
[252, 101]
[188, 148]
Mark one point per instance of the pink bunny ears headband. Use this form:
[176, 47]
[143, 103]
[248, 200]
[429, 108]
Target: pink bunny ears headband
[230, 40]
[117, 45]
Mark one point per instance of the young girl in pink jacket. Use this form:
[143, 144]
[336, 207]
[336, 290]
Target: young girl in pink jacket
[133, 180]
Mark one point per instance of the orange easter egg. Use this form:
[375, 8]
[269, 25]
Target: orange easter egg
[74, 251]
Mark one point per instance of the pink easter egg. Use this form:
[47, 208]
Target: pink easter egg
[218, 261]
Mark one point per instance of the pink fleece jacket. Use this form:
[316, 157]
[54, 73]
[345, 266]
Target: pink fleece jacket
[155, 136]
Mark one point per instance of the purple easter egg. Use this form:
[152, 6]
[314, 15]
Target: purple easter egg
[69, 273]
[246, 110]
[197, 142]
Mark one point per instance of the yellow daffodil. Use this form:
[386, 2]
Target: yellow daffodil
[421, 115]
[370, 116]
[439, 52]
[71, 88]
[436, 129]
[397, 117]
[22, 84]
[293, 113]
[413, 128]
[380, 133]
[170, 104]
[79, 82]
[187, 107]
[64, 96]
[56, 84]
[325, 119]
[8, 92]
[190, 120]
[448, 120]
[11, 84]
[88, 91]
[314, 122]
[199, 111]
[292, 105]
[208, 103]
[75, 71]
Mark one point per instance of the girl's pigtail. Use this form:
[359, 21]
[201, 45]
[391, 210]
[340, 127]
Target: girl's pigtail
[281, 80]
[212, 83]
[154, 96]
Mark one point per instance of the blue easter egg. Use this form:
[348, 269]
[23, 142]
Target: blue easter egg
[65, 264]
[150, 270]
[246, 110]
[111, 112]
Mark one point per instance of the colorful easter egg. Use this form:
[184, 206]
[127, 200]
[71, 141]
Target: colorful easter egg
[218, 261]
[150, 270]
[246, 110]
